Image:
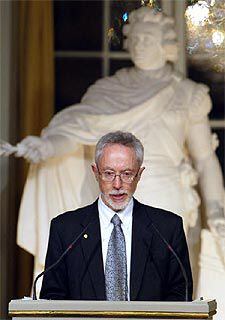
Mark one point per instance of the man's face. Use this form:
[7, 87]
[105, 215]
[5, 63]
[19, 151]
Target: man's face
[117, 159]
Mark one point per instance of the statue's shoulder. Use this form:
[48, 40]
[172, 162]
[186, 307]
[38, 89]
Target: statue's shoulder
[198, 101]
[192, 97]
[193, 86]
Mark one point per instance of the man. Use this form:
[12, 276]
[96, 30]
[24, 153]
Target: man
[120, 256]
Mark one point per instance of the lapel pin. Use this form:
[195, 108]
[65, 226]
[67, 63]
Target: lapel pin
[85, 236]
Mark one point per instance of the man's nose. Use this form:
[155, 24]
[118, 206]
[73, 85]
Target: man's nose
[117, 182]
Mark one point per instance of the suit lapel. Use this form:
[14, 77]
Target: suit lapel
[92, 251]
[141, 242]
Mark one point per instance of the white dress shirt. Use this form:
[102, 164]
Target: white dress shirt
[106, 227]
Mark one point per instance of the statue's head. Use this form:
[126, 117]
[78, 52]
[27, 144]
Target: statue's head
[150, 38]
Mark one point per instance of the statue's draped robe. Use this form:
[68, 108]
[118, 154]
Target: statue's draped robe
[158, 108]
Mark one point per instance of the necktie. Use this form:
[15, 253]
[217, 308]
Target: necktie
[116, 264]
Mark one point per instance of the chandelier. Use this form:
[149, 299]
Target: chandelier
[205, 22]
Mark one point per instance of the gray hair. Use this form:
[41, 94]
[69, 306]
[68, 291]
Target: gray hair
[119, 137]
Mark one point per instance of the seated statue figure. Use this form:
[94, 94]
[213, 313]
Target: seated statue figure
[167, 112]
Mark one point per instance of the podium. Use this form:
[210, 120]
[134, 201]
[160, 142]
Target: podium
[93, 310]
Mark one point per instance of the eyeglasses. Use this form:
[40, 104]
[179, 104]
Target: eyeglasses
[110, 176]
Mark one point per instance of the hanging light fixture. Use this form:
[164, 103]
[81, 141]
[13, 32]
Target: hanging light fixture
[205, 22]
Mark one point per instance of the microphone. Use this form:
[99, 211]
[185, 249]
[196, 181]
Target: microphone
[184, 273]
[71, 245]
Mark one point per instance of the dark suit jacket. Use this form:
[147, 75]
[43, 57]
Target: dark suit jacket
[155, 273]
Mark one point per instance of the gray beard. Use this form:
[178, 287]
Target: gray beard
[116, 207]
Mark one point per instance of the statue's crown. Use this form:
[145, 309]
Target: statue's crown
[146, 16]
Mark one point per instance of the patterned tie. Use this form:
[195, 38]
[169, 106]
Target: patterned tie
[116, 264]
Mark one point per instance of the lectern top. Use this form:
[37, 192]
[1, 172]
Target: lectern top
[198, 309]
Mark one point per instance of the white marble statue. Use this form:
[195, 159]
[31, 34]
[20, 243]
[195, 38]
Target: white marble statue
[167, 112]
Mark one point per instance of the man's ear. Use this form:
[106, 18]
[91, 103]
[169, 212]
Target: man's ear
[140, 172]
[95, 170]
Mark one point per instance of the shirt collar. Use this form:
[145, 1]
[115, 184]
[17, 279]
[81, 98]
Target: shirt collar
[107, 213]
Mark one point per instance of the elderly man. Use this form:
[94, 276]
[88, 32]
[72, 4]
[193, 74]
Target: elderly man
[122, 254]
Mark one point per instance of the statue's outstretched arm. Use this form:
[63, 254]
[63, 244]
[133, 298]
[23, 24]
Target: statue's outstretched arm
[57, 139]
[32, 148]
[37, 149]
[67, 130]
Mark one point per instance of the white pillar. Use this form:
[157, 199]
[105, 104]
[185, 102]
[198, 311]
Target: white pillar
[168, 7]
[176, 9]
[179, 10]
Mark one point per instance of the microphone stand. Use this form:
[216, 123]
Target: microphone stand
[177, 258]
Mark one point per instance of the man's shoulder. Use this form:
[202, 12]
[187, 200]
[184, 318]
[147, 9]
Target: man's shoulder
[159, 215]
[166, 222]
[74, 216]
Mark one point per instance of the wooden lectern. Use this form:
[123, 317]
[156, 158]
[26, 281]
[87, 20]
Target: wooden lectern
[89, 310]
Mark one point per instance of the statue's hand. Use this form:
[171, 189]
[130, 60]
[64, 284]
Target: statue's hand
[34, 149]
[217, 227]
[6, 149]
